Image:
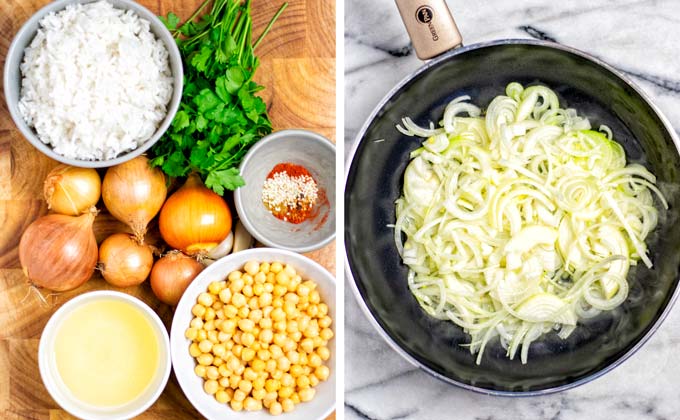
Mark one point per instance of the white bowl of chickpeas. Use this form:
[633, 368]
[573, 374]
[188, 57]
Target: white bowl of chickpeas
[253, 335]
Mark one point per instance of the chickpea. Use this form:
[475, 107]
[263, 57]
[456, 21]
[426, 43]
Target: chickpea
[234, 381]
[307, 394]
[238, 300]
[283, 364]
[225, 296]
[313, 310]
[276, 352]
[248, 279]
[243, 311]
[303, 290]
[251, 404]
[230, 311]
[205, 359]
[239, 394]
[286, 392]
[247, 339]
[250, 374]
[287, 405]
[265, 298]
[302, 381]
[322, 372]
[191, 333]
[313, 380]
[236, 405]
[238, 286]
[245, 386]
[270, 366]
[223, 370]
[296, 371]
[307, 345]
[205, 346]
[194, 351]
[258, 365]
[198, 310]
[210, 386]
[291, 297]
[279, 290]
[263, 354]
[326, 334]
[222, 397]
[275, 408]
[247, 354]
[323, 352]
[318, 342]
[314, 360]
[196, 323]
[259, 383]
[206, 299]
[212, 373]
[251, 267]
[200, 371]
[287, 380]
[275, 267]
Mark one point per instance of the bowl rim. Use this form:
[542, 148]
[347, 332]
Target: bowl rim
[349, 160]
[50, 330]
[243, 213]
[177, 337]
[29, 134]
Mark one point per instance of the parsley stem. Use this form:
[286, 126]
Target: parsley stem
[269, 27]
[194, 15]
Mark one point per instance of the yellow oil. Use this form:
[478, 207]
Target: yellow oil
[107, 352]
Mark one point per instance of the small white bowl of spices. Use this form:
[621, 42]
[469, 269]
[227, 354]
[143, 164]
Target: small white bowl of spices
[288, 201]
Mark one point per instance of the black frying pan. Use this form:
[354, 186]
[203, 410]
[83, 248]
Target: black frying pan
[374, 182]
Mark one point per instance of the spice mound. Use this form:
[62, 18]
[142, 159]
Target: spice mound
[290, 193]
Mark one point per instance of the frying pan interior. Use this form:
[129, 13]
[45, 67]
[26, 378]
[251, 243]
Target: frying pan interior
[374, 182]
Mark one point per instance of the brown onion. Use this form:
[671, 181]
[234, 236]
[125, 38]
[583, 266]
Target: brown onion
[172, 274]
[59, 252]
[194, 219]
[134, 192]
[71, 190]
[123, 261]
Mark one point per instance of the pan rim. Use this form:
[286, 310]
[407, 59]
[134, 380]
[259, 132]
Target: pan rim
[352, 281]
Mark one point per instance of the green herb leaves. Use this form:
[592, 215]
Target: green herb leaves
[220, 116]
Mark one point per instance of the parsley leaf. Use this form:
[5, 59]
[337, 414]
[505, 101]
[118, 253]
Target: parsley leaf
[228, 178]
[171, 21]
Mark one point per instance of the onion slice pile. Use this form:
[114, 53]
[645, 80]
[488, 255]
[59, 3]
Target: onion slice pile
[521, 221]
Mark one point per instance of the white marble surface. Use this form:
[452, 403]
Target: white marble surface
[640, 38]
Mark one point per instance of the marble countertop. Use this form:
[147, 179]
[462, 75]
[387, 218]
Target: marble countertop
[637, 37]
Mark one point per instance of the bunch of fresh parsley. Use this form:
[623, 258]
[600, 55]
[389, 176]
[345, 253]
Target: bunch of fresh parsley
[220, 116]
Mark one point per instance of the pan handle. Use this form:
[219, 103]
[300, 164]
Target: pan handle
[430, 26]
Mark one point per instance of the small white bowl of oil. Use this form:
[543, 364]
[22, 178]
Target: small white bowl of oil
[105, 355]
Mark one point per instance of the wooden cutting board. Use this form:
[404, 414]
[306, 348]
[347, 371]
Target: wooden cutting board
[298, 71]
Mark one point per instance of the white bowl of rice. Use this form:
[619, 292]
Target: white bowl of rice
[93, 83]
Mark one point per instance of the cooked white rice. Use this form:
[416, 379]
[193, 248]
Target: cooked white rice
[96, 81]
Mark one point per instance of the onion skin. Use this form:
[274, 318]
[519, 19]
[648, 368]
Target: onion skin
[172, 274]
[71, 190]
[59, 252]
[134, 192]
[194, 219]
[123, 261]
